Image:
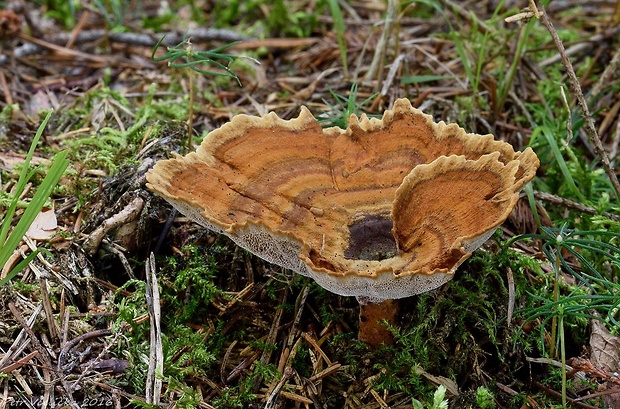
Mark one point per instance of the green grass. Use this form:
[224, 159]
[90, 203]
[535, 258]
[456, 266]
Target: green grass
[10, 241]
[260, 18]
[64, 11]
[183, 55]
[341, 111]
[595, 296]
[341, 32]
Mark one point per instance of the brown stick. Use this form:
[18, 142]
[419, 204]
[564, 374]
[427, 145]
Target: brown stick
[558, 395]
[47, 307]
[19, 363]
[77, 340]
[547, 197]
[199, 34]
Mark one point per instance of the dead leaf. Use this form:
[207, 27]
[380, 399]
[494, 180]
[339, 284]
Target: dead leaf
[605, 348]
[44, 226]
[40, 101]
[605, 354]
[8, 160]
[450, 385]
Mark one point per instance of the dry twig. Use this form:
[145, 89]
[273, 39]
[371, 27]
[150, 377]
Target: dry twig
[386, 34]
[34, 46]
[20, 342]
[76, 341]
[128, 214]
[547, 197]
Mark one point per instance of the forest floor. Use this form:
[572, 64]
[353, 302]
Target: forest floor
[126, 303]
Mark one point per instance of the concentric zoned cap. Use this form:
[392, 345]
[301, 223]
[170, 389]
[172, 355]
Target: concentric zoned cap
[385, 209]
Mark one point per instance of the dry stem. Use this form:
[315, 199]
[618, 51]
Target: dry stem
[156, 356]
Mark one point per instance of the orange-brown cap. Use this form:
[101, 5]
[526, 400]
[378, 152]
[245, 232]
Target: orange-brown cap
[385, 209]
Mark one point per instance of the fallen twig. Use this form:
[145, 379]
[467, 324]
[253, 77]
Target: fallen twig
[272, 400]
[511, 296]
[34, 46]
[548, 197]
[98, 360]
[44, 356]
[19, 344]
[19, 363]
[557, 394]
[77, 340]
[128, 214]
[47, 306]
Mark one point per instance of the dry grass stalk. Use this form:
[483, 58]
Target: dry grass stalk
[156, 356]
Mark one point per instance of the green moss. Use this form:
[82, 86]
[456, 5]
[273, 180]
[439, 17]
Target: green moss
[484, 398]
[190, 283]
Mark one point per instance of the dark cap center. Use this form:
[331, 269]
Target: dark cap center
[371, 239]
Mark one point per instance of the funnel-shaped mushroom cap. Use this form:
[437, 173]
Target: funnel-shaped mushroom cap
[382, 210]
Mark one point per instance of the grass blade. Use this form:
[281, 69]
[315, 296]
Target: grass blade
[24, 176]
[341, 31]
[54, 174]
[19, 267]
[548, 134]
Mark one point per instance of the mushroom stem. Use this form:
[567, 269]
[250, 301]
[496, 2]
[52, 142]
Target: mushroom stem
[372, 327]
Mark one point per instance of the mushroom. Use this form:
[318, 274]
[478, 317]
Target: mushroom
[385, 209]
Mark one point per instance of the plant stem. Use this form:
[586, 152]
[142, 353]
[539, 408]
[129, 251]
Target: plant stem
[379, 56]
[190, 120]
[563, 355]
[556, 297]
[512, 71]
